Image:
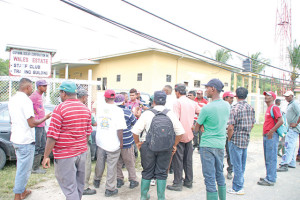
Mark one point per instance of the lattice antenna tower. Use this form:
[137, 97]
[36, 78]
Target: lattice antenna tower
[283, 33]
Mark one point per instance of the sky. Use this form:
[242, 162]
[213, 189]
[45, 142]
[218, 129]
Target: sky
[246, 26]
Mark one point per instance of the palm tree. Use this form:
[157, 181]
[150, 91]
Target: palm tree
[257, 66]
[223, 55]
[294, 56]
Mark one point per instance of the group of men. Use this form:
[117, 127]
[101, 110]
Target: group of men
[164, 134]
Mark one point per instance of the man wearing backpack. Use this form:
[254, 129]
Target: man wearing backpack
[154, 134]
[293, 119]
[270, 139]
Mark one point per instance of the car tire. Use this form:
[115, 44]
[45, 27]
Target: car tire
[2, 158]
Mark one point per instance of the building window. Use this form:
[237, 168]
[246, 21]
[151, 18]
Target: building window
[186, 83]
[196, 83]
[169, 77]
[104, 83]
[98, 86]
[118, 78]
[139, 77]
[226, 84]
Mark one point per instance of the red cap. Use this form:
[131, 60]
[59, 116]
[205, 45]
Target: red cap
[110, 94]
[228, 94]
[270, 93]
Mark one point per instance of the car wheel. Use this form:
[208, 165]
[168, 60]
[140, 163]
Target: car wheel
[2, 158]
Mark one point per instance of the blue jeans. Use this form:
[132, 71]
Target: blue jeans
[290, 148]
[212, 167]
[270, 153]
[25, 154]
[238, 158]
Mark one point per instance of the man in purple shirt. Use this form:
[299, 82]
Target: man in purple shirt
[40, 133]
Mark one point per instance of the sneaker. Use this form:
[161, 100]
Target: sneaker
[109, 193]
[96, 183]
[291, 166]
[265, 183]
[88, 191]
[175, 187]
[153, 182]
[283, 168]
[133, 184]
[188, 184]
[232, 191]
[120, 182]
[229, 176]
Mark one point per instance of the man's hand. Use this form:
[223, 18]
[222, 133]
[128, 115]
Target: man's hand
[174, 150]
[48, 115]
[270, 134]
[139, 144]
[293, 125]
[121, 145]
[46, 162]
[202, 128]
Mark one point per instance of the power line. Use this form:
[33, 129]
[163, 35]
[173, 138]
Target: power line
[158, 41]
[204, 37]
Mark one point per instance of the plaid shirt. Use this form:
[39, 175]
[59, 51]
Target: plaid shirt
[242, 117]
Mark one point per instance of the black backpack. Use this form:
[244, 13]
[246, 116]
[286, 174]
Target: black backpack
[161, 135]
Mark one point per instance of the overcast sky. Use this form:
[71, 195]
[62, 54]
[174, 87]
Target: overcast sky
[247, 26]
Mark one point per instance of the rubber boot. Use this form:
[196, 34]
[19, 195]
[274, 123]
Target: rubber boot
[211, 195]
[145, 185]
[36, 165]
[161, 187]
[222, 192]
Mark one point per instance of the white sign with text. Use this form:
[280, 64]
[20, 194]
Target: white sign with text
[29, 63]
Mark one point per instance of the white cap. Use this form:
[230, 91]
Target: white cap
[288, 93]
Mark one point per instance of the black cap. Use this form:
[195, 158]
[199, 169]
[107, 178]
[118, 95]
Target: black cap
[216, 83]
[160, 97]
[180, 87]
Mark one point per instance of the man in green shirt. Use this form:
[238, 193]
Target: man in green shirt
[212, 121]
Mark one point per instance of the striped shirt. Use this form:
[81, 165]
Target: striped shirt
[130, 121]
[242, 117]
[70, 125]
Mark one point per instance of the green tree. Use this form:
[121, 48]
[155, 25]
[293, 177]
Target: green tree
[294, 56]
[4, 67]
[223, 55]
[257, 66]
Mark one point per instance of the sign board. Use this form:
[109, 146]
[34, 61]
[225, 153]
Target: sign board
[30, 63]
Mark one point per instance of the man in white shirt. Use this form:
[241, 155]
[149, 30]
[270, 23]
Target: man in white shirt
[171, 99]
[23, 135]
[109, 139]
[155, 163]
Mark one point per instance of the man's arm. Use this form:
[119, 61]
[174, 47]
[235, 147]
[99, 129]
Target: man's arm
[33, 123]
[137, 141]
[49, 146]
[277, 125]
[120, 136]
[230, 131]
[177, 140]
[296, 108]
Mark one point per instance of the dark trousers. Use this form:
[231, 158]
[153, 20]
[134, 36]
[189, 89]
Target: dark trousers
[183, 160]
[40, 140]
[229, 168]
[155, 164]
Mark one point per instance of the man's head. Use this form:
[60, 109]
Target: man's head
[289, 96]
[133, 94]
[110, 96]
[68, 90]
[168, 89]
[41, 85]
[138, 95]
[199, 94]
[82, 95]
[213, 87]
[191, 95]
[125, 95]
[25, 85]
[278, 102]
[120, 99]
[269, 96]
[180, 90]
[160, 98]
[228, 96]
[241, 93]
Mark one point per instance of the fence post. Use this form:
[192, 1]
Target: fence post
[9, 90]
[90, 89]
[257, 111]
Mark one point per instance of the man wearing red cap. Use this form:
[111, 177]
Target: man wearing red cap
[270, 139]
[228, 96]
[109, 139]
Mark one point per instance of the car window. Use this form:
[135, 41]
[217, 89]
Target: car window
[4, 116]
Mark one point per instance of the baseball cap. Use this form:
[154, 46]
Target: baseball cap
[41, 82]
[180, 87]
[82, 93]
[228, 94]
[160, 97]
[68, 86]
[288, 93]
[270, 93]
[216, 83]
[110, 94]
[119, 99]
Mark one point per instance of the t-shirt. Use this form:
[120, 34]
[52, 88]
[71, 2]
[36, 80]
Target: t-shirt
[201, 103]
[70, 125]
[214, 116]
[20, 109]
[110, 118]
[38, 107]
[269, 121]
